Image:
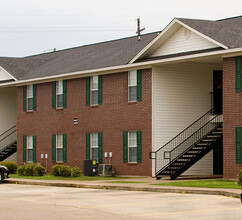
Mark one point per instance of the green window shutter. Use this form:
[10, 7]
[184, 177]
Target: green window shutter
[64, 148]
[139, 85]
[238, 145]
[238, 74]
[99, 90]
[87, 146]
[34, 148]
[24, 148]
[53, 147]
[24, 97]
[64, 93]
[125, 146]
[34, 97]
[139, 147]
[100, 152]
[53, 95]
[88, 91]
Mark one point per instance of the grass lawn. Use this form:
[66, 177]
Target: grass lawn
[80, 178]
[211, 183]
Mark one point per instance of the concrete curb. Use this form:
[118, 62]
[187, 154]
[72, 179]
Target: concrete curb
[160, 189]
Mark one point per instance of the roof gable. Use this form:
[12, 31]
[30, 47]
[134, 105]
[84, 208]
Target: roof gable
[176, 32]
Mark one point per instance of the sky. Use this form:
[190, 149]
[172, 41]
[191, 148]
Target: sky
[29, 27]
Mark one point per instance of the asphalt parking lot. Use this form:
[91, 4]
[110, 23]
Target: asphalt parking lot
[44, 202]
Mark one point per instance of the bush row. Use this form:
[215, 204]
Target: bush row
[31, 170]
[65, 171]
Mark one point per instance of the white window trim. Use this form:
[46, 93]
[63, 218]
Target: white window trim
[59, 147]
[93, 147]
[30, 148]
[93, 90]
[29, 97]
[132, 85]
[132, 146]
[59, 93]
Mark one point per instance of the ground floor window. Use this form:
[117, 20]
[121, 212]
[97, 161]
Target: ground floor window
[132, 151]
[29, 148]
[59, 148]
[94, 146]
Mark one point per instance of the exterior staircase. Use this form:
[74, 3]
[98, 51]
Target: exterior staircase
[188, 147]
[8, 143]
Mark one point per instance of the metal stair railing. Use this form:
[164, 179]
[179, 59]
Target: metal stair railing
[8, 137]
[165, 155]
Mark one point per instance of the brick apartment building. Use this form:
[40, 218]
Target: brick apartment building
[165, 104]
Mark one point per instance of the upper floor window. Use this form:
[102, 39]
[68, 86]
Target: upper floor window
[59, 94]
[30, 98]
[94, 90]
[134, 85]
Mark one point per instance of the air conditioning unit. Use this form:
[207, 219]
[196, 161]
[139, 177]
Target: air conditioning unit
[105, 170]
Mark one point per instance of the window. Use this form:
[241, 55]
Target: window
[59, 148]
[30, 98]
[94, 146]
[132, 145]
[59, 145]
[94, 90]
[29, 148]
[59, 94]
[132, 86]
[132, 151]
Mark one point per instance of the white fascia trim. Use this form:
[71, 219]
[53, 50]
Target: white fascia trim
[202, 35]
[152, 42]
[128, 67]
[8, 73]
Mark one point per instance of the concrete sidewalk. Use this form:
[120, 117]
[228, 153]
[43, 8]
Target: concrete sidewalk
[139, 184]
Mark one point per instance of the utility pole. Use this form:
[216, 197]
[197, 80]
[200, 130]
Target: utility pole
[138, 28]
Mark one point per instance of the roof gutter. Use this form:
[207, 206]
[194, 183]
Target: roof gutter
[127, 67]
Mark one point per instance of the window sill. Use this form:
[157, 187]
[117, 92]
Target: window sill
[94, 106]
[59, 108]
[29, 111]
[132, 102]
[132, 163]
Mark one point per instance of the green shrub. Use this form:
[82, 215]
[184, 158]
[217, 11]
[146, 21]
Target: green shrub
[240, 178]
[38, 170]
[61, 170]
[12, 166]
[31, 169]
[20, 170]
[75, 171]
[55, 169]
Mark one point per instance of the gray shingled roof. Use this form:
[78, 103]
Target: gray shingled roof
[113, 53]
[227, 31]
[101, 55]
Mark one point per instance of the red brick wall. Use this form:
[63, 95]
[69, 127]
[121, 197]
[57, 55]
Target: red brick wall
[111, 118]
[232, 117]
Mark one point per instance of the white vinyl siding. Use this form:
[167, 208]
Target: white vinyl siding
[59, 148]
[132, 86]
[132, 147]
[8, 109]
[59, 94]
[94, 146]
[94, 90]
[180, 96]
[183, 40]
[4, 75]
